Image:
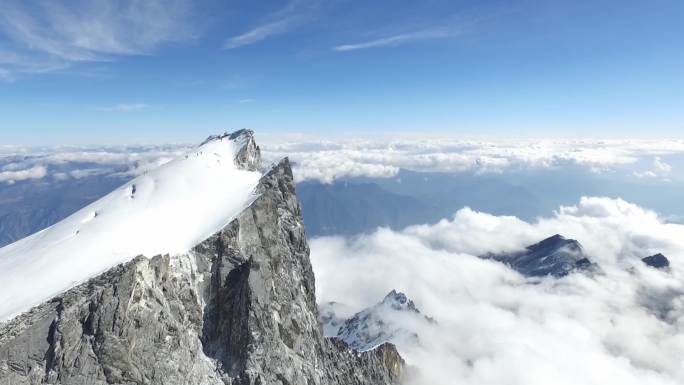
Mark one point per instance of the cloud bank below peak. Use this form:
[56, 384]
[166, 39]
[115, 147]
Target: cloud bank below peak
[327, 161]
[494, 326]
[10, 175]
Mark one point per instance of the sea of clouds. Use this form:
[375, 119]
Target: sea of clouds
[329, 160]
[20, 163]
[625, 326]
[326, 161]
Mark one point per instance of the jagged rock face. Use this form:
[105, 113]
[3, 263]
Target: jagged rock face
[658, 261]
[555, 256]
[249, 156]
[237, 309]
[395, 319]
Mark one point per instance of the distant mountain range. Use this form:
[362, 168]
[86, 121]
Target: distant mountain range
[360, 205]
[340, 208]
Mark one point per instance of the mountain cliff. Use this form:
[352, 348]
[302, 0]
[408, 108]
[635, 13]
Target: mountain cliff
[237, 308]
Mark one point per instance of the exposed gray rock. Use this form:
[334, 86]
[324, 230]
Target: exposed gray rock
[237, 309]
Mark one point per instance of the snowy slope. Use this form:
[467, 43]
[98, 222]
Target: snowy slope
[168, 210]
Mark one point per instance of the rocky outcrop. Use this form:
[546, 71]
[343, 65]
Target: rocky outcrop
[237, 309]
[658, 261]
[555, 256]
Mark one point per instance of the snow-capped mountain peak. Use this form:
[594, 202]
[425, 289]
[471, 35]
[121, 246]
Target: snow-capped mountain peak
[394, 320]
[164, 211]
[399, 301]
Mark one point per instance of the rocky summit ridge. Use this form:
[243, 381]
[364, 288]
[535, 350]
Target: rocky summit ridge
[239, 308]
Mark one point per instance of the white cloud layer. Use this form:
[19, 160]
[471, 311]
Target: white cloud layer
[496, 327]
[11, 175]
[64, 162]
[326, 161]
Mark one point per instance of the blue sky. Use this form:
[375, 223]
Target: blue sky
[176, 70]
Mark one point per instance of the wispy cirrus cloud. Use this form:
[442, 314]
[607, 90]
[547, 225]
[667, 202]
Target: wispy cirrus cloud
[293, 15]
[261, 32]
[399, 39]
[12, 63]
[125, 107]
[5, 74]
[50, 35]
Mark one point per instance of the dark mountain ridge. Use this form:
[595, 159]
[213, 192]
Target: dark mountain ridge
[554, 256]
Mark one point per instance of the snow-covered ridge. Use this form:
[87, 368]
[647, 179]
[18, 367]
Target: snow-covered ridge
[165, 211]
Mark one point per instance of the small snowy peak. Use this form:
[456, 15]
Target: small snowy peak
[396, 319]
[555, 256]
[167, 210]
[398, 301]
